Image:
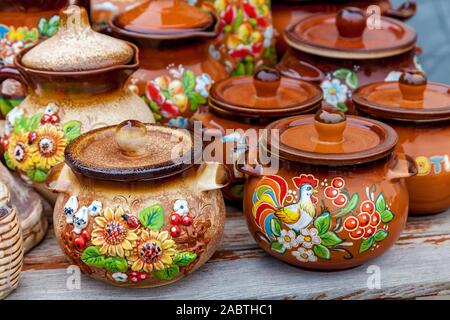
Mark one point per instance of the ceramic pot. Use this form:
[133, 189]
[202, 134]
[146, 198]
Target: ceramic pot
[176, 69]
[75, 82]
[239, 107]
[11, 245]
[348, 52]
[338, 198]
[287, 12]
[420, 113]
[245, 39]
[24, 23]
[133, 208]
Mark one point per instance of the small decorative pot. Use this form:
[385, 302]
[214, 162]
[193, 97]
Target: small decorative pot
[240, 106]
[338, 198]
[177, 69]
[347, 52]
[75, 82]
[134, 210]
[420, 113]
[287, 12]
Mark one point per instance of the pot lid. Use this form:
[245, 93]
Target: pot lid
[76, 47]
[265, 94]
[164, 17]
[346, 35]
[412, 98]
[330, 138]
[131, 151]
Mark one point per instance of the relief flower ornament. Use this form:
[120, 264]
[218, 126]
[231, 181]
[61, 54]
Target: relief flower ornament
[49, 147]
[308, 238]
[18, 150]
[334, 91]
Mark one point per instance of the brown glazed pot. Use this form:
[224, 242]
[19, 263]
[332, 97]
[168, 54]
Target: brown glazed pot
[338, 198]
[347, 59]
[420, 113]
[75, 82]
[240, 106]
[287, 12]
[176, 69]
[167, 213]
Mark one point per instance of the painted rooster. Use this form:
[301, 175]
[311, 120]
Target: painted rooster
[270, 201]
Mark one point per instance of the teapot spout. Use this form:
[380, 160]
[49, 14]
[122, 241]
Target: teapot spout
[212, 176]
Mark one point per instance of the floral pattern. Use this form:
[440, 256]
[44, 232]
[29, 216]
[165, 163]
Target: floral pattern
[293, 221]
[337, 87]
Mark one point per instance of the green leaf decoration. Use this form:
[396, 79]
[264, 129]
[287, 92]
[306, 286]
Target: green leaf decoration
[277, 247]
[54, 21]
[153, 106]
[34, 122]
[342, 73]
[115, 264]
[183, 259]
[239, 70]
[366, 244]
[51, 30]
[239, 18]
[152, 217]
[386, 216]
[72, 129]
[342, 106]
[323, 223]
[322, 252]
[275, 225]
[249, 68]
[330, 239]
[8, 161]
[37, 175]
[43, 26]
[380, 235]
[168, 273]
[352, 80]
[20, 125]
[165, 93]
[188, 81]
[380, 203]
[5, 106]
[351, 205]
[92, 257]
[195, 99]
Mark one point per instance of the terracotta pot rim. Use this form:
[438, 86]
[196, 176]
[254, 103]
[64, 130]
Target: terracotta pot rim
[294, 41]
[389, 139]
[398, 113]
[132, 65]
[157, 171]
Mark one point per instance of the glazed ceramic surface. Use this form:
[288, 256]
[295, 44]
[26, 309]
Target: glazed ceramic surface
[66, 96]
[344, 59]
[336, 201]
[245, 39]
[242, 104]
[420, 114]
[177, 69]
[144, 220]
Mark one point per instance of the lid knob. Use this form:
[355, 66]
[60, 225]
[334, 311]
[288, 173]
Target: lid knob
[131, 136]
[351, 22]
[412, 84]
[266, 82]
[74, 19]
[330, 124]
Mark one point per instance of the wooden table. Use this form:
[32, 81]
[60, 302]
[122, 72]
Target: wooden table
[417, 266]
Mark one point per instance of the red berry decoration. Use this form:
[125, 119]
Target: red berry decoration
[338, 183]
[367, 206]
[45, 118]
[331, 192]
[132, 221]
[340, 200]
[5, 143]
[32, 136]
[375, 219]
[54, 119]
[364, 219]
[80, 243]
[175, 231]
[357, 234]
[351, 223]
[187, 221]
[370, 231]
[86, 235]
[143, 276]
[175, 219]
[134, 279]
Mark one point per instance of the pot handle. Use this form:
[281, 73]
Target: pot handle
[60, 179]
[12, 73]
[404, 12]
[243, 165]
[401, 166]
[213, 176]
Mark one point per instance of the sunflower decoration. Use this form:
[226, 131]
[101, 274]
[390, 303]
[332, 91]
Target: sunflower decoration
[18, 152]
[112, 235]
[48, 147]
[154, 251]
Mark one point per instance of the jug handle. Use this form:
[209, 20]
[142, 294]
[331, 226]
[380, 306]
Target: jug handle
[13, 73]
[403, 12]
[213, 176]
[61, 179]
[254, 170]
[401, 166]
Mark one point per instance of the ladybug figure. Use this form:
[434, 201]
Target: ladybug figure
[132, 221]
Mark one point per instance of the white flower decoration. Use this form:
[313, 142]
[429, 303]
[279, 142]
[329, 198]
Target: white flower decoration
[11, 118]
[304, 255]
[309, 237]
[203, 84]
[268, 35]
[120, 276]
[287, 239]
[181, 207]
[334, 91]
[95, 208]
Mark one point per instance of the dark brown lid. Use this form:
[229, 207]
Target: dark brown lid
[411, 98]
[266, 94]
[346, 36]
[163, 17]
[131, 151]
[330, 138]
[76, 47]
